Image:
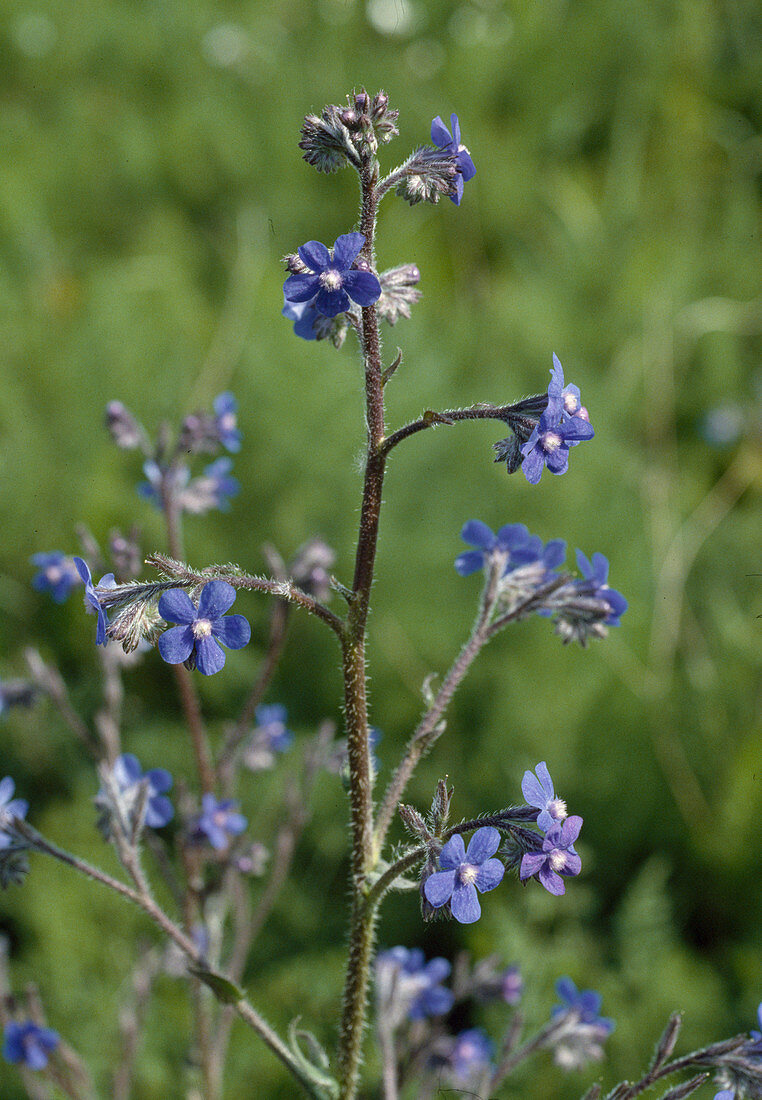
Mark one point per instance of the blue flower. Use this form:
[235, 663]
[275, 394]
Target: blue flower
[212, 489]
[218, 822]
[464, 872]
[201, 629]
[556, 431]
[57, 574]
[304, 315]
[128, 775]
[471, 1054]
[442, 138]
[556, 858]
[507, 541]
[10, 807]
[271, 720]
[28, 1043]
[225, 407]
[538, 791]
[92, 601]
[594, 585]
[725, 1094]
[330, 279]
[581, 1030]
[404, 976]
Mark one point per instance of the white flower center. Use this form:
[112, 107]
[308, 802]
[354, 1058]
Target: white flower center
[571, 404]
[55, 572]
[227, 422]
[551, 441]
[202, 628]
[557, 809]
[331, 280]
[557, 860]
[468, 873]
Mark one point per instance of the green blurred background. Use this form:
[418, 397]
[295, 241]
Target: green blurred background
[151, 182]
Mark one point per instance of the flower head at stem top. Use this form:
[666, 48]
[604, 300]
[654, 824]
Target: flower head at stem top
[556, 432]
[201, 629]
[330, 279]
[443, 139]
[218, 822]
[29, 1044]
[464, 871]
[507, 541]
[408, 986]
[92, 600]
[127, 778]
[556, 858]
[10, 807]
[595, 585]
[57, 575]
[581, 1031]
[538, 791]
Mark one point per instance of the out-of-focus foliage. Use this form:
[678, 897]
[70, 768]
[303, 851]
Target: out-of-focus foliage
[150, 184]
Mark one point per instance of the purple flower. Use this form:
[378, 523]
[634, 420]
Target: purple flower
[57, 574]
[556, 858]
[594, 585]
[464, 872]
[539, 792]
[28, 1043]
[304, 315]
[218, 822]
[92, 600]
[201, 630]
[556, 431]
[725, 1094]
[581, 1032]
[585, 1003]
[128, 776]
[512, 985]
[10, 807]
[330, 279]
[471, 1054]
[507, 541]
[442, 138]
[225, 407]
[405, 981]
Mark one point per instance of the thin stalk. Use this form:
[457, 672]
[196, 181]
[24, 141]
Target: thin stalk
[505, 413]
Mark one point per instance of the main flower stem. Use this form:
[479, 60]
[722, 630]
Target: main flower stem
[355, 687]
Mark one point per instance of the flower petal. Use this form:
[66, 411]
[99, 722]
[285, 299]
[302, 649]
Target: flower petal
[478, 534]
[464, 903]
[438, 888]
[552, 882]
[531, 863]
[217, 597]
[331, 302]
[315, 256]
[532, 465]
[483, 844]
[490, 875]
[176, 606]
[362, 287]
[233, 631]
[440, 135]
[346, 249]
[469, 562]
[176, 645]
[210, 657]
[453, 853]
[300, 288]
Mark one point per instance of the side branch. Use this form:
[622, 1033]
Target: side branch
[285, 589]
[522, 413]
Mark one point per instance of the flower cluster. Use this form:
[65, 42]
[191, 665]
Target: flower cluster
[129, 798]
[529, 580]
[348, 135]
[557, 858]
[581, 1031]
[211, 489]
[409, 987]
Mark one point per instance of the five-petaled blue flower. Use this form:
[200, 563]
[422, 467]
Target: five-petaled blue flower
[9, 807]
[556, 858]
[92, 602]
[28, 1043]
[330, 279]
[225, 407]
[594, 584]
[57, 574]
[584, 1003]
[556, 432]
[128, 774]
[271, 721]
[507, 541]
[464, 871]
[218, 822]
[443, 139]
[201, 629]
[538, 791]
